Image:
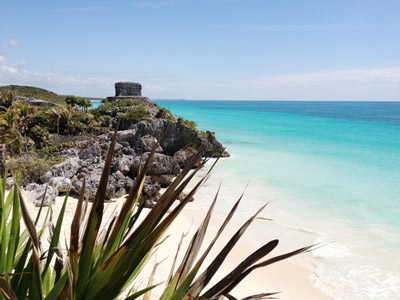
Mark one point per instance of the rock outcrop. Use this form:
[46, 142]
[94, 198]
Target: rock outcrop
[41, 192]
[35, 102]
[90, 162]
[176, 137]
[183, 156]
[141, 123]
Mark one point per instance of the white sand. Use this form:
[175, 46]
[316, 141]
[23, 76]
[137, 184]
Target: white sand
[291, 280]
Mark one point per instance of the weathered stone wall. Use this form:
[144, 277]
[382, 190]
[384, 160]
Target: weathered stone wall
[139, 98]
[128, 89]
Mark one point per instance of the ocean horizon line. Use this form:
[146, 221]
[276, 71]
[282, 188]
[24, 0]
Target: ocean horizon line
[253, 100]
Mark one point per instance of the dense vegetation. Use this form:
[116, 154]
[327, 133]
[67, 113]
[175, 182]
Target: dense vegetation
[33, 136]
[78, 102]
[25, 127]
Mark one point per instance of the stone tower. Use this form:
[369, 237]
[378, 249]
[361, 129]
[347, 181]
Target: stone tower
[128, 90]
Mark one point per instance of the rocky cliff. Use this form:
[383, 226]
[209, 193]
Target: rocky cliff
[141, 123]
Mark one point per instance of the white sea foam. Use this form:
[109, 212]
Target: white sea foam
[357, 282]
[330, 250]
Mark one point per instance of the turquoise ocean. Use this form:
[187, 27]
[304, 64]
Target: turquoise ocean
[330, 172]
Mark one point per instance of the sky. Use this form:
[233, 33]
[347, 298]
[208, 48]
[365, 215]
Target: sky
[346, 50]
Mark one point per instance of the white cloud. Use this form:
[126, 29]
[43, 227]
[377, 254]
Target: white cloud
[365, 76]
[10, 43]
[13, 43]
[96, 85]
[353, 84]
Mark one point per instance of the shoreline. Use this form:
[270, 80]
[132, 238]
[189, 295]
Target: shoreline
[292, 281]
[357, 263]
[286, 277]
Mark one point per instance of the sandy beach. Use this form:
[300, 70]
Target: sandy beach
[292, 281]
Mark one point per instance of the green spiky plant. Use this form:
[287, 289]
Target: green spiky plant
[104, 266]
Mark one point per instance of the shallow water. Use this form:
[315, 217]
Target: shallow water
[331, 172]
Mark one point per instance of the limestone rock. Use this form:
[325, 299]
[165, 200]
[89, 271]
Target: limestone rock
[147, 143]
[127, 136]
[31, 187]
[177, 135]
[10, 183]
[92, 184]
[46, 177]
[163, 180]
[128, 151]
[70, 152]
[91, 163]
[183, 156]
[123, 164]
[128, 184]
[151, 189]
[35, 102]
[62, 184]
[93, 151]
[119, 192]
[182, 197]
[68, 168]
[163, 164]
[37, 191]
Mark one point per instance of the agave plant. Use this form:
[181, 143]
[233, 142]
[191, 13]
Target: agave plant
[104, 263]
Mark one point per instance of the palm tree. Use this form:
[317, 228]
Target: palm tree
[25, 112]
[10, 134]
[14, 122]
[7, 98]
[85, 103]
[59, 112]
[14, 139]
[67, 115]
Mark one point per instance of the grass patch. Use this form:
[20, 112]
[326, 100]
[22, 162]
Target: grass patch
[30, 167]
[188, 123]
[34, 92]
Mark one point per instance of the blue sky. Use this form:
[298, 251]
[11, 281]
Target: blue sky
[206, 49]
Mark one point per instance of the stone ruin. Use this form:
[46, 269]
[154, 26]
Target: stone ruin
[128, 90]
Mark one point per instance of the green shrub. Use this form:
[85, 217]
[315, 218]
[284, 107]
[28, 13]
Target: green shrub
[7, 98]
[114, 107]
[39, 135]
[105, 121]
[188, 123]
[51, 153]
[31, 167]
[78, 101]
[164, 113]
[136, 114]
